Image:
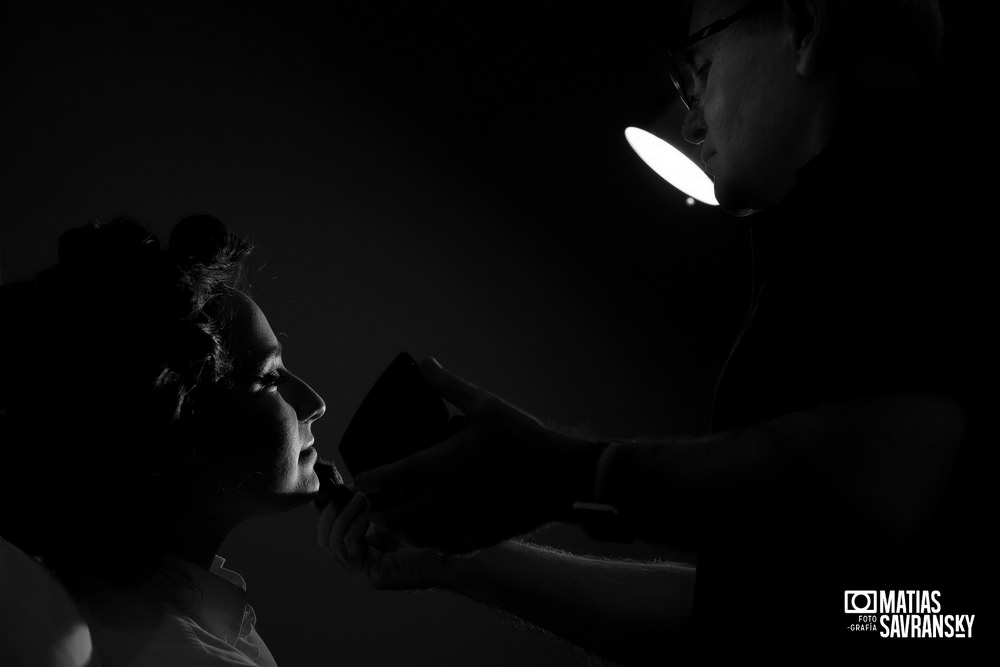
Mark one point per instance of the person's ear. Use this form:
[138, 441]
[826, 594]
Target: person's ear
[808, 28]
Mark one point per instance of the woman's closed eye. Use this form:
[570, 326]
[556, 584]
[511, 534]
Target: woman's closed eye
[270, 381]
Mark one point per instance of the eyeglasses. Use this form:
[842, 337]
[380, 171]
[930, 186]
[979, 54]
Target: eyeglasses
[680, 71]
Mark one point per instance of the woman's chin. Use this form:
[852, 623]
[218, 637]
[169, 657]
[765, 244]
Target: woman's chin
[306, 487]
[312, 482]
[302, 492]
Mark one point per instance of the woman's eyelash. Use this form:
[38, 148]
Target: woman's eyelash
[272, 379]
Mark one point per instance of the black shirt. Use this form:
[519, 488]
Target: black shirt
[868, 280]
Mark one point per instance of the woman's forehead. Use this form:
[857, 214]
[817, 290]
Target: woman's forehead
[250, 328]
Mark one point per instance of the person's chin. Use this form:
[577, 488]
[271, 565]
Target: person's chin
[731, 199]
[304, 488]
[311, 481]
[301, 495]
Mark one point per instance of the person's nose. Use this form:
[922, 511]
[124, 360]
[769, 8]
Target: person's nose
[309, 406]
[693, 128]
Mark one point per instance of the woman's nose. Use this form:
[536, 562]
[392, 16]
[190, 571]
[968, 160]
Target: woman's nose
[309, 405]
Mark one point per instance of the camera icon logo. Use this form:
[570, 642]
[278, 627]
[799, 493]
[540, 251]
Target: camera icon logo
[860, 602]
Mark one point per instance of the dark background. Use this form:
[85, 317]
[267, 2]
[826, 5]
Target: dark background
[448, 182]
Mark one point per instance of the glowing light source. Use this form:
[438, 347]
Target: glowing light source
[672, 165]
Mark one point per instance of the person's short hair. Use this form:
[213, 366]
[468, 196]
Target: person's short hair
[110, 354]
[910, 32]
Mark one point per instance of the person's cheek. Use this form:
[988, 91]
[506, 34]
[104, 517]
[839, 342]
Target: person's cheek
[278, 444]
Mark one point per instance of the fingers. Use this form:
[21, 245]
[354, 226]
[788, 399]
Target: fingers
[339, 533]
[415, 473]
[400, 477]
[328, 473]
[453, 388]
[421, 522]
[391, 475]
[331, 486]
[380, 540]
[354, 537]
[328, 512]
[337, 494]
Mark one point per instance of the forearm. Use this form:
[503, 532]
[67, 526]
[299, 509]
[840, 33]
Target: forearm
[883, 456]
[671, 490]
[630, 612]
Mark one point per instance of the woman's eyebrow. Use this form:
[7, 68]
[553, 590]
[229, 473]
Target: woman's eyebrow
[263, 356]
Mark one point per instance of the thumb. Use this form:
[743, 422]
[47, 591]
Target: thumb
[416, 471]
[453, 388]
[395, 476]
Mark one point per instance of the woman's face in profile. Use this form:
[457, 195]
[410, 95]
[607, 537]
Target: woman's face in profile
[265, 421]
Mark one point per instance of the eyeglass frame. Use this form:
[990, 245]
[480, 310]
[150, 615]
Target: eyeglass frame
[697, 36]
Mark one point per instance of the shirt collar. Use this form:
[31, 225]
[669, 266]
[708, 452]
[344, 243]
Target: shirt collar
[219, 599]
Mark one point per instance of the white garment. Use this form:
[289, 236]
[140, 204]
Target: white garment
[42, 626]
[208, 623]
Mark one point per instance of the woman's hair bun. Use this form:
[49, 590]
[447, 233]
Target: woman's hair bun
[98, 242]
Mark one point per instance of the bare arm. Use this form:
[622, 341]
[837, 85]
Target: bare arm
[506, 474]
[889, 455]
[628, 612]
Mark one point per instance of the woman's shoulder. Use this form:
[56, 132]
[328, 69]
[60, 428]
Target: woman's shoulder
[175, 639]
[40, 623]
[174, 618]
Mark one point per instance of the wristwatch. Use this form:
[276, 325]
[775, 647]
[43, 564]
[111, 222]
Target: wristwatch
[599, 519]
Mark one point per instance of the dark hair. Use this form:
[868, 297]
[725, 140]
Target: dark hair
[909, 32]
[113, 354]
